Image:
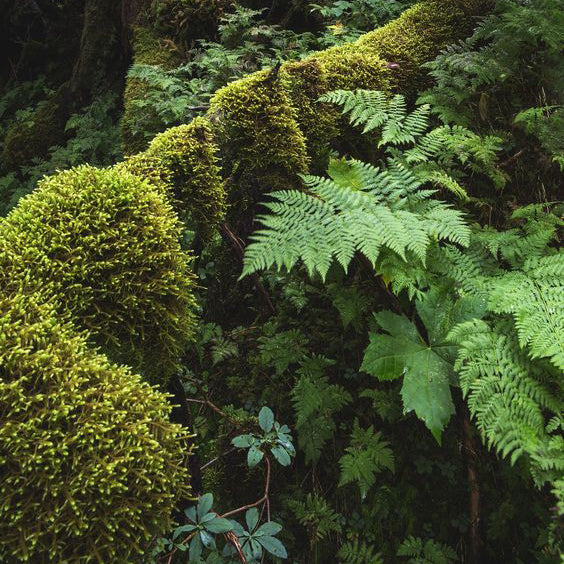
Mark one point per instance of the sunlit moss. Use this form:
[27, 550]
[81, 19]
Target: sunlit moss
[104, 245]
[90, 467]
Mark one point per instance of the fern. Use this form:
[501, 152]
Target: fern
[358, 552]
[430, 552]
[315, 403]
[366, 455]
[315, 514]
[332, 221]
[385, 212]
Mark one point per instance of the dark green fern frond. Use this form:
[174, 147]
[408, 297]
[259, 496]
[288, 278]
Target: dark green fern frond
[358, 552]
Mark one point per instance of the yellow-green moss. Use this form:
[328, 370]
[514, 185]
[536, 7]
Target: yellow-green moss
[149, 48]
[262, 147]
[418, 36]
[104, 244]
[90, 467]
[187, 156]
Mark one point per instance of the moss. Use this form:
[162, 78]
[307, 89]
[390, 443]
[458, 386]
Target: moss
[90, 467]
[149, 48]
[105, 245]
[189, 155]
[318, 122]
[419, 35]
[262, 147]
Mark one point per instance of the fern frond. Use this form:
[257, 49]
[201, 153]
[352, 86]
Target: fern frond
[358, 552]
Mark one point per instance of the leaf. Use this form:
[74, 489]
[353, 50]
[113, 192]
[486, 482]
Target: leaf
[273, 545]
[182, 529]
[242, 441]
[195, 549]
[219, 525]
[251, 517]
[281, 455]
[205, 503]
[268, 528]
[207, 539]
[426, 390]
[254, 456]
[266, 419]
[427, 369]
[190, 512]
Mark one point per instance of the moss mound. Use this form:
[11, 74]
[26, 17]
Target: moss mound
[182, 162]
[90, 467]
[104, 244]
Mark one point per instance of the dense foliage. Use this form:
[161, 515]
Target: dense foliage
[314, 315]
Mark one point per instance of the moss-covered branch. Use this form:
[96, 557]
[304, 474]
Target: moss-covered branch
[88, 461]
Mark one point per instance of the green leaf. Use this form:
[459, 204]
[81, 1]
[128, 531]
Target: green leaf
[251, 517]
[207, 539]
[190, 512]
[274, 546]
[219, 525]
[266, 419]
[242, 441]
[182, 529]
[205, 503]
[427, 369]
[254, 456]
[195, 549]
[268, 528]
[426, 390]
[281, 455]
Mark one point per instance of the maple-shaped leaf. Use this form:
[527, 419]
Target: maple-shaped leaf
[426, 364]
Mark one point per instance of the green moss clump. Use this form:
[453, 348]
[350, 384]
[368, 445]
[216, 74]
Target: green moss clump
[261, 144]
[188, 154]
[104, 244]
[90, 467]
[149, 48]
[418, 35]
[318, 122]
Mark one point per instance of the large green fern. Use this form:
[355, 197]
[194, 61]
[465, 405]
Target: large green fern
[386, 213]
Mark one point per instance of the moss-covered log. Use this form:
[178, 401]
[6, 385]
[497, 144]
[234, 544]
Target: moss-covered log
[269, 125]
[93, 257]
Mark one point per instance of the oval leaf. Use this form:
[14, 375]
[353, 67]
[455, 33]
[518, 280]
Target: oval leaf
[254, 456]
[266, 419]
[242, 441]
[270, 528]
[281, 454]
[204, 504]
[252, 518]
[274, 546]
[219, 525]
